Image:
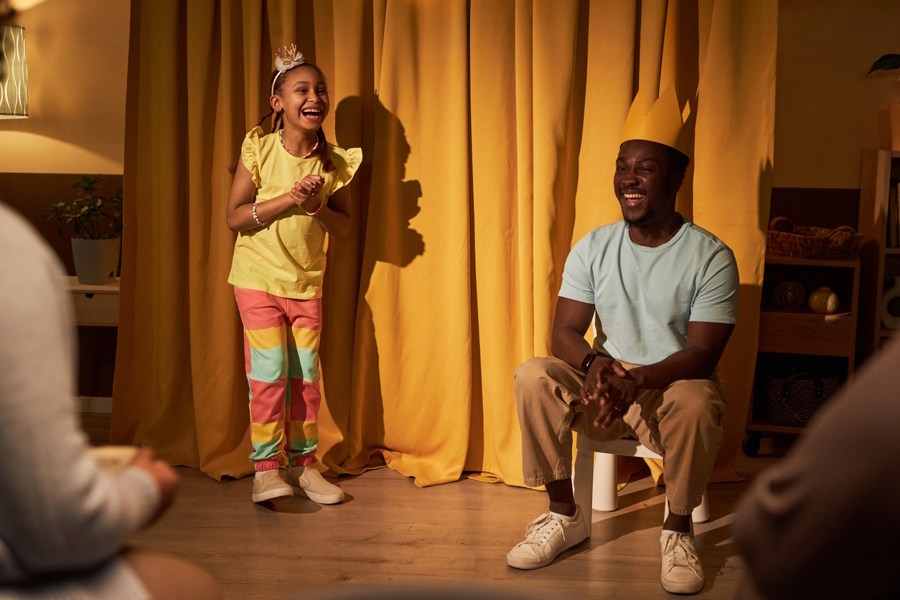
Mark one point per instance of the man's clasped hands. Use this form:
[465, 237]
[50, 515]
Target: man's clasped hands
[609, 385]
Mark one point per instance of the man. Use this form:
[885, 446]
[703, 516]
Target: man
[665, 294]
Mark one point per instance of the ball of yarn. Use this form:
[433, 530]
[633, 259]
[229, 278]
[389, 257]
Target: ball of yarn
[789, 295]
[823, 301]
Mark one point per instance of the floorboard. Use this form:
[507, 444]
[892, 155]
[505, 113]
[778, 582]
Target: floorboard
[388, 531]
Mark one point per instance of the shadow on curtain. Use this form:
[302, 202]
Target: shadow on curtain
[489, 131]
[398, 247]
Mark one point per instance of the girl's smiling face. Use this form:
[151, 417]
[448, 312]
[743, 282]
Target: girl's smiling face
[301, 95]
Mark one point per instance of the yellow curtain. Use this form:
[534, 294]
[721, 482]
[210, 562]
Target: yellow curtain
[489, 130]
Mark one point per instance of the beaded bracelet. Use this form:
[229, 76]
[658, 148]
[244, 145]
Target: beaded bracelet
[256, 218]
[315, 212]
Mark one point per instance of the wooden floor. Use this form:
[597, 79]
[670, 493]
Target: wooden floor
[388, 531]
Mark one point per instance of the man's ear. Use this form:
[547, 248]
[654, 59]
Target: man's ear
[676, 180]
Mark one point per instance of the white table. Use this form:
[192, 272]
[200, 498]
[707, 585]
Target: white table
[96, 306]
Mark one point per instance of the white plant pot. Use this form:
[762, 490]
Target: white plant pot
[96, 261]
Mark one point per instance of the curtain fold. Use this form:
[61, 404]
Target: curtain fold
[734, 148]
[489, 131]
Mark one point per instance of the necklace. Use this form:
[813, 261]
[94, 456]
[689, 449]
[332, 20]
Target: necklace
[307, 155]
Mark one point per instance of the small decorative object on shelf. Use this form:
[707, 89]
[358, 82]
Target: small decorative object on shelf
[784, 237]
[823, 301]
[789, 295]
[890, 306]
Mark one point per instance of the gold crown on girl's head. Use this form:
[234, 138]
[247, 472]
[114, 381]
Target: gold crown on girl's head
[663, 124]
[286, 58]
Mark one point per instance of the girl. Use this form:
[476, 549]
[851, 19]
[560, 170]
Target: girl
[289, 190]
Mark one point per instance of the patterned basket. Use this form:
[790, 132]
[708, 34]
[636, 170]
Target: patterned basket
[810, 242]
[795, 400]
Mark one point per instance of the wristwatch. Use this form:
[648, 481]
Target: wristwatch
[586, 363]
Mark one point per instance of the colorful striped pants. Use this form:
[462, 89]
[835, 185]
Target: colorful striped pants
[281, 353]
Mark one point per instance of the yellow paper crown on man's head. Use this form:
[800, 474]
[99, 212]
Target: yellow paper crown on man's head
[664, 124]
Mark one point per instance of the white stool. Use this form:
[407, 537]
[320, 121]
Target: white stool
[595, 483]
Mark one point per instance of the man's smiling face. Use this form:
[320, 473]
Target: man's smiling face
[644, 182]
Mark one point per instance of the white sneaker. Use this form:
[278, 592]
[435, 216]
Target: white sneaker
[682, 572]
[548, 536]
[314, 485]
[268, 485]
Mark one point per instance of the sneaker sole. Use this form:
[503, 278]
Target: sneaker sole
[319, 499]
[324, 499]
[273, 494]
[682, 588]
[523, 563]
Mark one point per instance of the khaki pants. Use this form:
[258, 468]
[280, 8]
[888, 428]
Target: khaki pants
[680, 423]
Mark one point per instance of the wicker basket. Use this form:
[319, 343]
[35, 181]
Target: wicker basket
[793, 401]
[810, 242]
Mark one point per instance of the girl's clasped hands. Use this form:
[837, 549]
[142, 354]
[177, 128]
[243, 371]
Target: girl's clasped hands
[304, 192]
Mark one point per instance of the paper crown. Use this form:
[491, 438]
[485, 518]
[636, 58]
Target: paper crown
[664, 123]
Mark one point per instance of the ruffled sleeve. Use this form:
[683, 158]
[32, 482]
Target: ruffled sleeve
[250, 153]
[346, 163]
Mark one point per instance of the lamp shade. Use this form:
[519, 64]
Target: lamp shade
[13, 73]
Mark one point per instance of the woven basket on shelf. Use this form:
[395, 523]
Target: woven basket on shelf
[810, 242]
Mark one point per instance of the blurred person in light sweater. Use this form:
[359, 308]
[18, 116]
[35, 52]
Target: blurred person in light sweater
[825, 522]
[64, 521]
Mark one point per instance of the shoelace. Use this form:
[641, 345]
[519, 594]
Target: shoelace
[680, 552]
[539, 530]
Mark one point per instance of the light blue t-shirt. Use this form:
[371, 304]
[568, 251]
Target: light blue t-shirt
[645, 297]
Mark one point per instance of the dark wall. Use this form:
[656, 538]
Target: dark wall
[816, 207]
[30, 194]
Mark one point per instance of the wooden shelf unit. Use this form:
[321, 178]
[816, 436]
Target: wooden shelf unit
[878, 166]
[780, 259]
[801, 331]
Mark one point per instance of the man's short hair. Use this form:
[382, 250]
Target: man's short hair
[678, 161]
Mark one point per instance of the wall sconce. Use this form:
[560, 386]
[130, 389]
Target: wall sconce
[13, 73]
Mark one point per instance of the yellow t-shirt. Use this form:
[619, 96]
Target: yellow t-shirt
[286, 258]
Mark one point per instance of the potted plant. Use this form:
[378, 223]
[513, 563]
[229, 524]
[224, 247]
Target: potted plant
[94, 221]
[890, 62]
